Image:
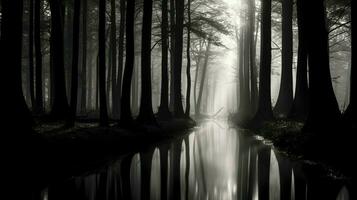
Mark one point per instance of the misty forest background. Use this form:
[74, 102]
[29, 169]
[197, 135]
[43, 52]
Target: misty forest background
[117, 61]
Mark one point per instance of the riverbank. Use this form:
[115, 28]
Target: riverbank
[54, 152]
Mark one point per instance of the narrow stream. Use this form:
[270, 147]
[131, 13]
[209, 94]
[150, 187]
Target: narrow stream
[214, 162]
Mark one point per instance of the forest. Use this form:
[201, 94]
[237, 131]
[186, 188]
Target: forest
[178, 99]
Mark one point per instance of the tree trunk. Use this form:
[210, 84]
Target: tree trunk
[84, 57]
[113, 42]
[300, 105]
[188, 70]
[323, 109]
[178, 108]
[198, 62]
[125, 115]
[172, 55]
[31, 63]
[39, 107]
[252, 52]
[102, 93]
[17, 115]
[60, 108]
[285, 98]
[264, 111]
[146, 114]
[75, 57]
[164, 112]
[203, 77]
[350, 114]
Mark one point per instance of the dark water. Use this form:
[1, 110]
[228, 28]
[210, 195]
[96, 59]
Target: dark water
[213, 162]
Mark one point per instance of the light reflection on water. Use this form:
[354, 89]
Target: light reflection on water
[214, 162]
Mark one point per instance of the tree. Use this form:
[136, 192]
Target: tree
[252, 56]
[102, 93]
[125, 114]
[38, 55]
[113, 43]
[84, 56]
[75, 57]
[172, 54]
[264, 111]
[17, 115]
[31, 63]
[60, 108]
[203, 76]
[146, 114]
[323, 108]
[188, 69]
[164, 112]
[178, 108]
[350, 113]
[285, 98]
[300, 104]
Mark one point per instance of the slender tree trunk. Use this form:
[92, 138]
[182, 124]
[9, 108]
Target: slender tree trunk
[188, 70]
[164, 112]
[242, 95]
[350, 114]
[125, 115]
[264, 111]
[178, 108]
[102, 91]
[172, 55]
[323, 109]
[146, 114]
[203, 77]
[31, 63]
[84, 56]
[39, 107]
[113, 43]
[60, 108]
[118, 88]
[75, 57]
[285, 98]
[17, 115]
[198, 62]
[252, 52]
[300, 105]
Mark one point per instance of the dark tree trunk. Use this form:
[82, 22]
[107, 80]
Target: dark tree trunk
[203, 78]
[75, 57]
[146, 114]
[242, 93]
[172, 54]
[188, 70]
[350, 114]
[164, 112]
[31, 63]
[102, 93]
[60, 108]
[39, 107]
[285, 98]
[323, 109]
[84, 57]
[17, 115]
[113, 42]
[118, 88]
[300, 105]
[125, 115]
[178, 108]
[198, 62]
[264, 111]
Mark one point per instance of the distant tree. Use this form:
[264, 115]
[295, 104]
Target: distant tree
[85, 84]
[323, 108]
[60, 108]
[164, 112]
[264, 111]
[16, 113]
[285, 98]
[113, 56]
[300, 104]
[75, 57]
[146, 114]
[172, 54]
[39, 107]
[125, 115]
[31, 63]
[101, 51]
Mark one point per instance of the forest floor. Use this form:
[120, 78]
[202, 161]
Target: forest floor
[328, 151]
[55, 152]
